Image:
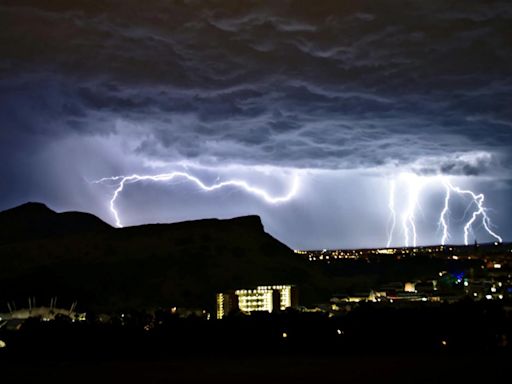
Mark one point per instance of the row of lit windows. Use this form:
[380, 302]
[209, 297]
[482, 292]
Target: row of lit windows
[259, 299]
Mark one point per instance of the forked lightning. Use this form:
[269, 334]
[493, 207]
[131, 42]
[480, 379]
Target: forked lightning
[259, 192]
[414, 187]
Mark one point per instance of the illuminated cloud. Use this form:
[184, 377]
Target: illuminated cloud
[89, 91]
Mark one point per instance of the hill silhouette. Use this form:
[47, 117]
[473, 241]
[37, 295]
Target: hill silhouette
[31, 221]
[75, 255]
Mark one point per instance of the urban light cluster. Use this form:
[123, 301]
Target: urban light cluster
[442, 251]
[266, 298]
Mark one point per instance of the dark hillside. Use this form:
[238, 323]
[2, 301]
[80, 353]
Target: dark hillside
[36, 221]
[181, 264]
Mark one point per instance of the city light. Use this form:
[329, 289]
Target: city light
[265, 298]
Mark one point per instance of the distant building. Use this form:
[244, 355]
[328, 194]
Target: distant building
[15, 317]
[45, 313]
[410, 287]
[226, 304]
[262, 298]
[426, 287]
[14, 320]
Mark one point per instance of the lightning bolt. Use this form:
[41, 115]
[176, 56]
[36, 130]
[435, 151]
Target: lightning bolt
[478, 200]
[259, 192]
[391, 206]
[415, 185]
[408, 217]
[446, 208]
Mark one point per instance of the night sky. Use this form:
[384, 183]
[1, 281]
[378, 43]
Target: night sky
[346, 96]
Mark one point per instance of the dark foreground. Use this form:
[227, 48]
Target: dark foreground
[403, 368]
[466, 342]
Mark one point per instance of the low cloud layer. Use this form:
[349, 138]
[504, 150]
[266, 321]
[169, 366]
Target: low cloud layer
[425, 86]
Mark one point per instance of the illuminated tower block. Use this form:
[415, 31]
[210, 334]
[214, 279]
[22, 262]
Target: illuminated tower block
[262, 298]
[226, 304]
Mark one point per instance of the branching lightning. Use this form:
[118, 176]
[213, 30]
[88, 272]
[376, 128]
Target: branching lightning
[414, 187]
[391, 206]
[259, 192]
[480, 211]
[400, 209]
[443, 218]
[408, 217]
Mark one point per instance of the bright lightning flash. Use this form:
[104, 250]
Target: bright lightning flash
[480, 211]
[259, 192]
[391, 206]
[415, 185]
[446, 209]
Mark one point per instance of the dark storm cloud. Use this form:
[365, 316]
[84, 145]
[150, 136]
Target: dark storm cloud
[467, 164]
[325, 84]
